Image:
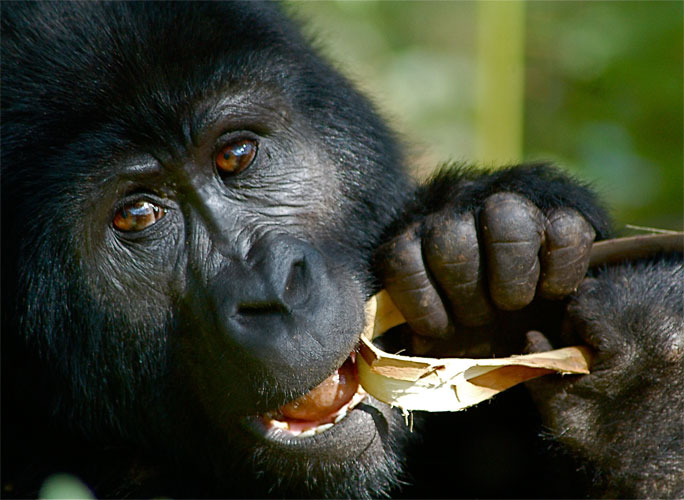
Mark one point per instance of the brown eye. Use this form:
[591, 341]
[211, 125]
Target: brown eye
[137, 215]
[236, 156]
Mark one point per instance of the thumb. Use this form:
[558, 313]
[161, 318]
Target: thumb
[537, 342]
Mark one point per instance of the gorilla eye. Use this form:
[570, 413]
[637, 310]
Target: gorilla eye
[236, 156]
[137, 215]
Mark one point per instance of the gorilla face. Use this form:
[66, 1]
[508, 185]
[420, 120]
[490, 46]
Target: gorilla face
[195, 198]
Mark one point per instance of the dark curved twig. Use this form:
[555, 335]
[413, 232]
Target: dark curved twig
[635, 247]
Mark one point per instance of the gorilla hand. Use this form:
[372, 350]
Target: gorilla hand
[459, 265]
[625, 419]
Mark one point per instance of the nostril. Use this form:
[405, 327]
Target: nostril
[296, 276]
[262, 308]
[296, 283]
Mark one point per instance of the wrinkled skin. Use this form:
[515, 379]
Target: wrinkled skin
[528, 253]
[195, 208]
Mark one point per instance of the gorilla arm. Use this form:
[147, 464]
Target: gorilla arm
[625, 419]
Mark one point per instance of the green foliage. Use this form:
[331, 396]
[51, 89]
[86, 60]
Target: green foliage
[603, 87]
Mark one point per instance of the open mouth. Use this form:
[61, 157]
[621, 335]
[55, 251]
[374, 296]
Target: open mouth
[329, 408]
[317, 411]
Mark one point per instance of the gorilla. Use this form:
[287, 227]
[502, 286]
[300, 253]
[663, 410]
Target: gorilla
[184, 282]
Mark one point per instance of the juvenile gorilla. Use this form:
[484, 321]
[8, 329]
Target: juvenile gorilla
[195, 208]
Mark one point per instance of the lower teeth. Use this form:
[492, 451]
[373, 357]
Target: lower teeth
[322, 428]
[272, 421]
[316, 430]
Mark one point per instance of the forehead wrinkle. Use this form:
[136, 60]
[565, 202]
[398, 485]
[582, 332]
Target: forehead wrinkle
[250, 101]
[141, 168]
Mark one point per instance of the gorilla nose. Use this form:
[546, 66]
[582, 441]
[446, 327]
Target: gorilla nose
[276, 279]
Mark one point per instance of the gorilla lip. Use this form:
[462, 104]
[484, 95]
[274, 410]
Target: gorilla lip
[319, 409]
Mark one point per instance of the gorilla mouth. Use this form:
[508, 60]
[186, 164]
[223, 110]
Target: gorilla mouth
[318, 410]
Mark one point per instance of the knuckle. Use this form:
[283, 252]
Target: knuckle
[567, 228]
[565, 255]
[450, 245]
[400, 256]
[507, 198]
[510, 217]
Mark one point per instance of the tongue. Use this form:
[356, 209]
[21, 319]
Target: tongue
[327, 397]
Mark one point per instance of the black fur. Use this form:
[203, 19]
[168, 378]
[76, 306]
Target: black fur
[463, 189]
[626, 421]
[115, 364]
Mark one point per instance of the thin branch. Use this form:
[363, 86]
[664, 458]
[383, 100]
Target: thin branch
[635, 247]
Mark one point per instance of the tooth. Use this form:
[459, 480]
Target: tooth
[280, 425]
[323, 428]
[340, 417]
[308, 433]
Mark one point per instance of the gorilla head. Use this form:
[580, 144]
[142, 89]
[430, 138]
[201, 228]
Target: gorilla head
[190, 200]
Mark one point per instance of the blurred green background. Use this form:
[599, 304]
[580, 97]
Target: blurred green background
[594, 86]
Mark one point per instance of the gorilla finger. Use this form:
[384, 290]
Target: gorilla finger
[452, 253]
[512, 231]
[537, 342]
[403, 273]
[565, 253]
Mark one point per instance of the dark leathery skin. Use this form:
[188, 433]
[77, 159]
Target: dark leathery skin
[452, 252]
[454, 270]
[565, 253]
[512, 232]
[411, 288]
